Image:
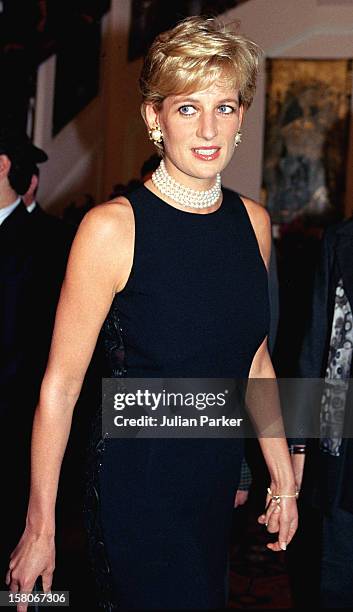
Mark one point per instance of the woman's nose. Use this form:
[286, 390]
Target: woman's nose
[207, 127]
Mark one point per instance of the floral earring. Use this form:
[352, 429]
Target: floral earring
[237, 139]
[156, 134]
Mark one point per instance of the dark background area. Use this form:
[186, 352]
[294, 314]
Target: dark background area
[32, 31]
[150, 17]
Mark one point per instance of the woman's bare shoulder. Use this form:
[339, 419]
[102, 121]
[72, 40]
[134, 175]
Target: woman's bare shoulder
[114, 217]
[257, 213]
[104, 242]
[261, 222]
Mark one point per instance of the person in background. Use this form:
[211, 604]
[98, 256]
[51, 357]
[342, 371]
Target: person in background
[327, 480]
[33, 251]
[29, 198]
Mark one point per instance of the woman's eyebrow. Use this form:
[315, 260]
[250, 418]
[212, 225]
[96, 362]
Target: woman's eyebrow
[184, 99]
[227, 100]
[181, 99]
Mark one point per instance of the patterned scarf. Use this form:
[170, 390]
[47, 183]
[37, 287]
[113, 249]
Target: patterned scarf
[338, 369]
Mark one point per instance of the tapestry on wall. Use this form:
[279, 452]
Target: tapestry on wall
[306, 138]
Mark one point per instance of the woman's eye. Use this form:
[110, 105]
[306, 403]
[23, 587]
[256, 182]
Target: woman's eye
[225, 109]
[187, 110]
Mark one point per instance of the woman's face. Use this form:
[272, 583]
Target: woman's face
[198, 133]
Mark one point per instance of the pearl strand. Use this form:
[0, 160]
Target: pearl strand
[185, 195]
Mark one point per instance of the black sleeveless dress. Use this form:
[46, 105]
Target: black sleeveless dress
[196, 306]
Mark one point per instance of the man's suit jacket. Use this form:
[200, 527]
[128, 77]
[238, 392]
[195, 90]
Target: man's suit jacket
[330, 478]
[33, 252]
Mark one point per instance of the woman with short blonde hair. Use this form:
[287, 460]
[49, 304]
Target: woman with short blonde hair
[177, 275]
[195, 54]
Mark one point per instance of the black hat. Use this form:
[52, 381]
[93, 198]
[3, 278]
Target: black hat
[18, 147]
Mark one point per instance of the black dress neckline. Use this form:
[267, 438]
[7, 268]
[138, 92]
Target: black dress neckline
[185, 212]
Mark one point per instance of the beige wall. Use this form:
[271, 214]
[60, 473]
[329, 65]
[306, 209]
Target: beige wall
[107, 143]
[126, 145]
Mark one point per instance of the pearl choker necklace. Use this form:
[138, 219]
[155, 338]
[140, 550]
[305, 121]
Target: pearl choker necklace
[185, 195]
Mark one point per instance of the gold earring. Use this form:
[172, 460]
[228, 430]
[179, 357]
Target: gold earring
[156, 134]
[237, 139]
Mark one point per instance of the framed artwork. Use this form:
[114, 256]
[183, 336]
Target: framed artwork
[306, 138]
[150, 17]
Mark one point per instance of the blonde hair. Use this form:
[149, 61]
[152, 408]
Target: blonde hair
[193, 55]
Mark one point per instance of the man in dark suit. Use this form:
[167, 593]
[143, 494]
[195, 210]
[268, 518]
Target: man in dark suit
[34, 248]
[328, 475]
[33, 254]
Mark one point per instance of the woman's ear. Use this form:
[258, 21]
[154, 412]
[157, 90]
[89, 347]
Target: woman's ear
[151, 116]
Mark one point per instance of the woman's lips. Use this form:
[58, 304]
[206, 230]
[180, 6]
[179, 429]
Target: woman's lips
[206, 153]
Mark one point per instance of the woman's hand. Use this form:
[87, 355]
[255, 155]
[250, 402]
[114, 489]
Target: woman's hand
[281, 518]
[33, 556]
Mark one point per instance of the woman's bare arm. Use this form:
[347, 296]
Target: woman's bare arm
[265, 410]
[99, 265]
